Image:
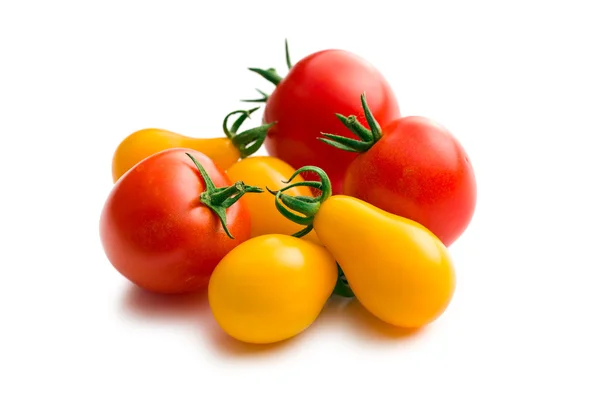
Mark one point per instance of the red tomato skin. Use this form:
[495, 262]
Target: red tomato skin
[157, 233]
[417, 170]
[305, 102]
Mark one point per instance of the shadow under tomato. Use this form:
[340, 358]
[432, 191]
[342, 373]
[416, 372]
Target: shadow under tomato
[369, 327]
[147, 305]
[226, 345]
[193, 309]
[338, 313]
[332, 314]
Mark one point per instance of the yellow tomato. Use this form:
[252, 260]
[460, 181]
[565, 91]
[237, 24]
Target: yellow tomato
[398, 270]
[268, 172]
[146, 142]
[271, 288]
[223, 151]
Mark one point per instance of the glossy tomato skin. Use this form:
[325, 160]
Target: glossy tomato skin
[305, 102]
[398, 270]
[157, 233]
[417, 170]
[145, 142]
[271, 288]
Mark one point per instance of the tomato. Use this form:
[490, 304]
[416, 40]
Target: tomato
[413, 167]
[397, 268]
[165, 225]
[271, 288]
[269, 172]
[306, 101]
[223, 151]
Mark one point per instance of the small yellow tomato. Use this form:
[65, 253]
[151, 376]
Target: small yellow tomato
[268, 172]
[146, 142]
[223, 151]
[271, 288]
[398, 270]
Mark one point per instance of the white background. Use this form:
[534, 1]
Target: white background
[517, 82]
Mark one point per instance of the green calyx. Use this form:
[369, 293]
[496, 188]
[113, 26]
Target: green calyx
[220, 199]
[247, 142]
[366, 137]
[303, 208]
[303, 211]
[271, 75]
[342, 288]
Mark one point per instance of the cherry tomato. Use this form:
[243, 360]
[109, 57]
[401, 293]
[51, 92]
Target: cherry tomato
[306, 101]
[413, 167]
[224, 151]
[271, 288]
[165, 226]
[398, 270]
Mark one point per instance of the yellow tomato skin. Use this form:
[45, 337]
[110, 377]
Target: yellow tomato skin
[264, 171]
[145, 142]
[399, 271]
[271, 288]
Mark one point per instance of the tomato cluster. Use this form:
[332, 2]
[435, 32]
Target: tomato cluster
[353, 200]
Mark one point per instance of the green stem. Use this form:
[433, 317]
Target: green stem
[303, 232]
[288, 60]
[263, 99]
[307, 207]
[355, 127]
[375, 128]
[342, 288]
[220, 199]
[366, 137]
[230, 132]
[269, 74]
[249, 141]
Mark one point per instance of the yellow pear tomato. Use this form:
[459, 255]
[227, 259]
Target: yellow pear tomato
[398, 270]
[223, 151]
[271, 288]
[268, 172]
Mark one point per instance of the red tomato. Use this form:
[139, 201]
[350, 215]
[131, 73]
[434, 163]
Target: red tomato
[157, 232]
[306, 101]
[418, 170]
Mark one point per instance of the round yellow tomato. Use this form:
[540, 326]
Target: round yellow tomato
[271, 172]
[271, 288]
